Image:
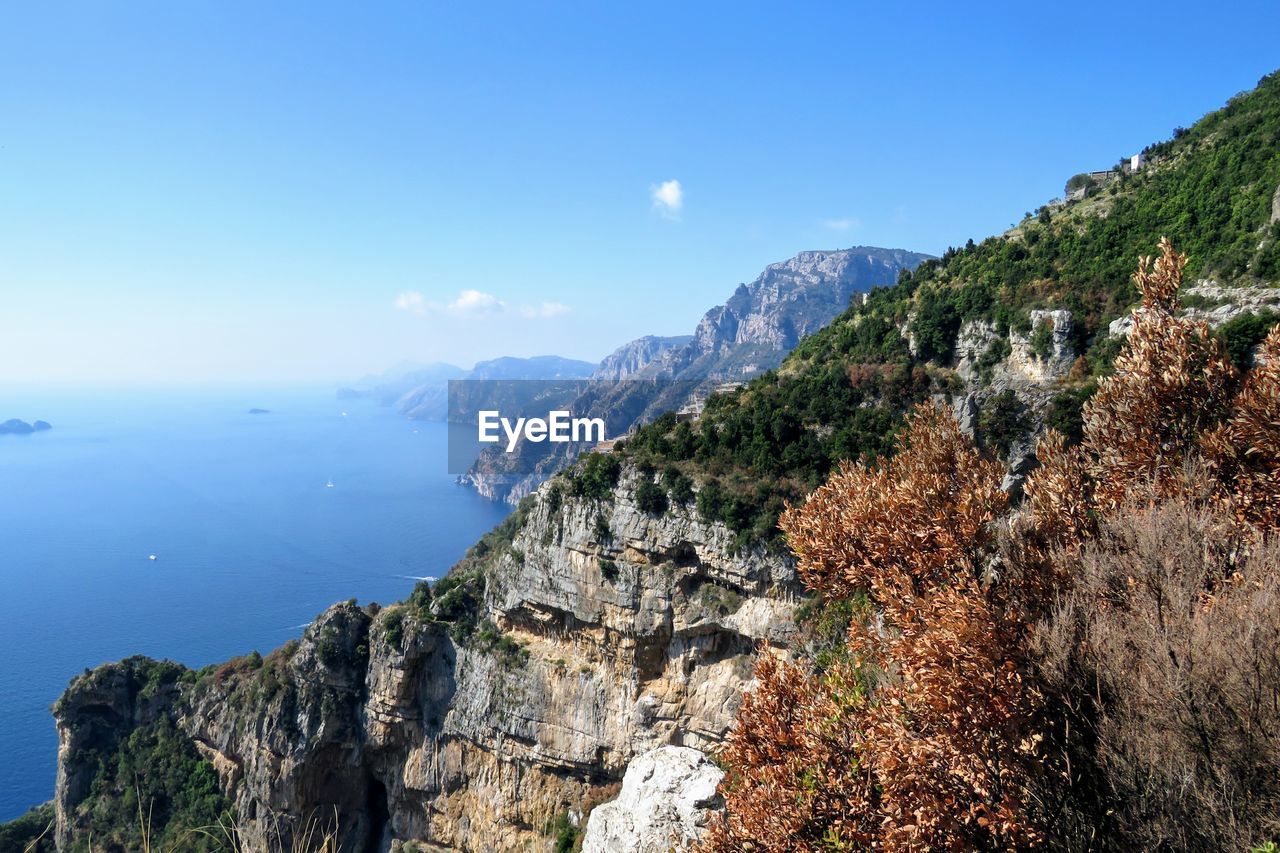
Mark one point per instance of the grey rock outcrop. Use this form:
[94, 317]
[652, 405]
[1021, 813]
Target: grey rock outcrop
[789, 301]
[631, 358]
[965, 410]
[1056, 362]
[975, 338]
[667, 797]
[1215, 304]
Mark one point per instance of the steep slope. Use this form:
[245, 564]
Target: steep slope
[749, 334]
[631, 358]
[1011, 332]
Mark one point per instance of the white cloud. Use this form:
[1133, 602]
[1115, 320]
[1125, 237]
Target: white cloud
[668, 198]
[411, 301]
[847, 223]
[546, 309]
[476, 303]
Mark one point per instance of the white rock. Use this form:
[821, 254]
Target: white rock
[1059, 360]
[668, 794]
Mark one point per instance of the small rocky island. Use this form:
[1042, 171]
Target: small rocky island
[13, 426]
[259, 411]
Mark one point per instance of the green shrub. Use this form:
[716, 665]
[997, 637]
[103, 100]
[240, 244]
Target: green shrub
[596, 476]
[393, 626]
[509, 652]
[568, 838]
[711, 501]
[650, 498]
[1066, 412]
[1041, 343]
[608, 569]
[419, 600]
[1002, 421]
[600, 530]
[679, 487]
[156, 768]
[555, 497]
[20, 834]
[1082, 181]
[935, 326]
[458, 598]
[997, 351]
[1242, 334]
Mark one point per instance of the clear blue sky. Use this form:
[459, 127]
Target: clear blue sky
[269, 191]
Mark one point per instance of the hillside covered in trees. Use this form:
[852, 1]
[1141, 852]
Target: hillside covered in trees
[843, 392]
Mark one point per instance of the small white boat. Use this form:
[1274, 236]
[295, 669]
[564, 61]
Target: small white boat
[152, 557]
[328, 485]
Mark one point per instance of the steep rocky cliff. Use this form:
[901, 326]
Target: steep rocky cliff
[600, 632]
[631, 358]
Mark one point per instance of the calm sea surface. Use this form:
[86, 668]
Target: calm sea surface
[250, 542]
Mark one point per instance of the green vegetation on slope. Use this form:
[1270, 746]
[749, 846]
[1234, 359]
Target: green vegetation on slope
[842, 392]
[155, 780]
[31, 833]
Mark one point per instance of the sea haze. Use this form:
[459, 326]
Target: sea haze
[250, 543]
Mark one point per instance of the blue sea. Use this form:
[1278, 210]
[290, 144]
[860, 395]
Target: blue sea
[250, 541]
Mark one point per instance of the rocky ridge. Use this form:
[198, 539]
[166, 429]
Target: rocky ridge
[631, 358]
[603, 633]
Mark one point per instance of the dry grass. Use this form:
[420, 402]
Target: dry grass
[317, 835]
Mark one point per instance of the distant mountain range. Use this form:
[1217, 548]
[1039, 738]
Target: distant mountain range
[749, 334]
[420, 392]
[764, 320]
[388, 387]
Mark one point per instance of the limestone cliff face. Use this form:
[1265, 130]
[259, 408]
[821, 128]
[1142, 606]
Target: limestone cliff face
[631, 358]
[604, 633]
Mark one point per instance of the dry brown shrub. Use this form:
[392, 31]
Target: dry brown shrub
[1173, 382]
[1168, 650]
[936, 751]
[1143, 556]
[1244, 452]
